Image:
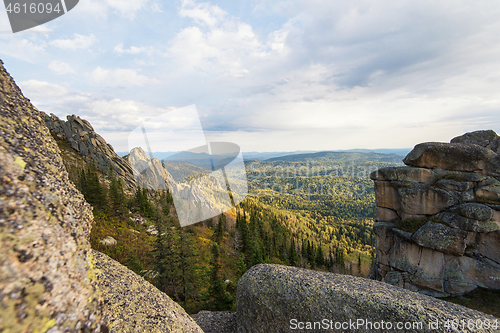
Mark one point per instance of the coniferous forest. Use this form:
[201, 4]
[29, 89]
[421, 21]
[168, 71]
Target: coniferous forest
[198, 266]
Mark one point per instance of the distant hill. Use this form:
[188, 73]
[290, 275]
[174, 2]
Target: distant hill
[267, 156]
[182, 169]
[261, 156]
[354, 157]
[396, 151]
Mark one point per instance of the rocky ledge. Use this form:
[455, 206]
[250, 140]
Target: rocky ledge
[438, 218]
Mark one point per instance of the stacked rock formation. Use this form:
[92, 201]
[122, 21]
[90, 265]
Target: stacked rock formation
[438, 218]
[82, 138]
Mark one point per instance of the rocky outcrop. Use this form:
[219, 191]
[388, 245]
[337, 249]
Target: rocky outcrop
[195, 200]
[82, 138]
[148, 172]
[438, 218]
[132, 304]
[216, 321]
[44, 228]
[274, 298]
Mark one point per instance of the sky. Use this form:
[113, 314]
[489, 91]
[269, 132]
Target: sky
[269, 75]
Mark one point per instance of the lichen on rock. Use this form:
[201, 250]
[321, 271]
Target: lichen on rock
[271, 298]
[44, 228]
[445, 204]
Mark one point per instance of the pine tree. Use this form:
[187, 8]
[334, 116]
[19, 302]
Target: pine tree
[116, 194]
[165, 202]
[244, 233]
[219, 231]
[145, 207]
[166, 259]
[93, 191]
[359, 264]
[241, 265]
[188, 262]
[331, 262]
[293, 254]
[219, 299]
[304, 249]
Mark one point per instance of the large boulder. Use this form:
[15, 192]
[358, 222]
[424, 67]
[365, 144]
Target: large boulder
[454, 156]
[274, 298]
[44, 228]
[423, 200]
[439, 237]
[132, 304]
[216, 321]
[488, 139]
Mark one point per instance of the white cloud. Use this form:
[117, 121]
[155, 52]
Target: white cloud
[124, 8]
[127, 8]
[120, 77]
[42, 90]
[78, 42]
[132, 50]
[318, 72]
[220, 44]
[60, 67]
[203, 13]
[23, 49]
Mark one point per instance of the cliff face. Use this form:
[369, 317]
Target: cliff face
[82, 138]
[44, 228]
[438, 218]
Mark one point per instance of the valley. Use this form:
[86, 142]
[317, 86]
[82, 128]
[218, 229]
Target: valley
[311, 210]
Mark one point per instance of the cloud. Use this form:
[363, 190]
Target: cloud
[132, 50]
[120, 77]
[203, 13]
[218, 44]
[317, 72]
[23, 49]
[127, 8]
[60, 68]
[42, 90]
[78, 42]
[124, 8]
[115, 114]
